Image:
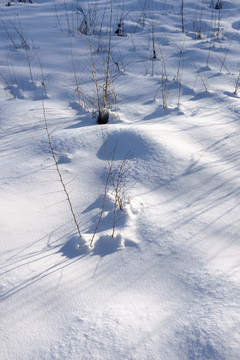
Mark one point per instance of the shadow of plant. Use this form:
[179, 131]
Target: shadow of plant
[107, 245]
[73, 248]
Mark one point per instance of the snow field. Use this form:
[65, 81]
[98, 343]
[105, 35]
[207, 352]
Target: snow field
[166, 286]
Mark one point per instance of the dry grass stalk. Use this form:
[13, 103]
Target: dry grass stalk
[56, 163]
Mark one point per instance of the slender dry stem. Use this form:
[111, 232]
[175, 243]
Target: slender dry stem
[107, 79]
[56, 163]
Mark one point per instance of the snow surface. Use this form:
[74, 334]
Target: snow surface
[166, 286]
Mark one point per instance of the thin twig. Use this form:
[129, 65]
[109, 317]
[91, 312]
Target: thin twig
[55, 161]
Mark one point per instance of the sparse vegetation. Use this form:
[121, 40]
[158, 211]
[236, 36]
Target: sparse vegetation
[105, 38]
[119, 180]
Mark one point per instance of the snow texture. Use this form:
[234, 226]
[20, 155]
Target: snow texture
[166, 286]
